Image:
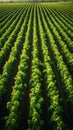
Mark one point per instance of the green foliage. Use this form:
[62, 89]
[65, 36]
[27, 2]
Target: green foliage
[52, 28]
[36, 101]
[20, 81]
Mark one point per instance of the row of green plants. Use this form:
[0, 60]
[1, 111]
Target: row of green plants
[66, 79]
[5, 22]
[65, 28]
[66, 34]
[65, 16]
[9, 17]
[7, 10]
[5, 25]
[54, 99]
[68, 31]
[10, 64]
[20, 83]
[36, 100]
[50, 32]
[62, 46]
[10, 30]
[67, 12]
[4, 17]
[13, 38]
[68, 25]
[4, 14]
[64, 74]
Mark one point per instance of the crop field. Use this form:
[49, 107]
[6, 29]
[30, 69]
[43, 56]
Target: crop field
[36, 66]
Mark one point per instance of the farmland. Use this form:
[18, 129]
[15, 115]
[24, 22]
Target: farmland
[36, 66]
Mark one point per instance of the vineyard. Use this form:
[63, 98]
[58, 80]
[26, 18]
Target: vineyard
[36, 66]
